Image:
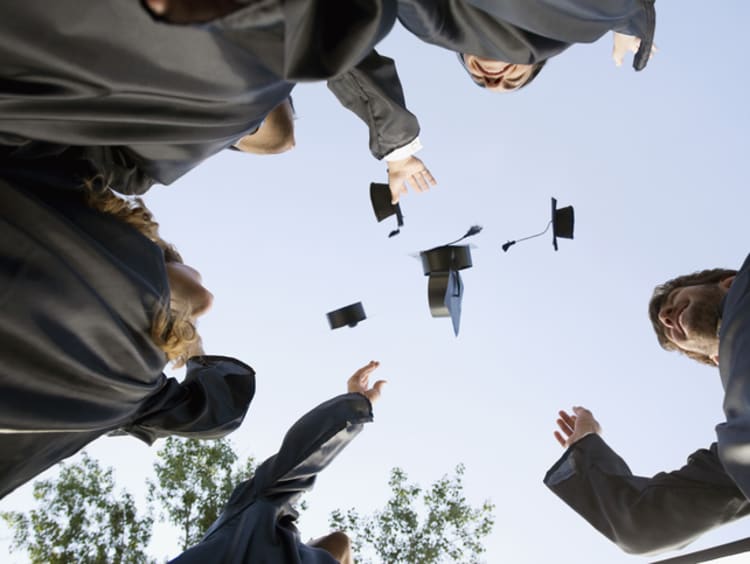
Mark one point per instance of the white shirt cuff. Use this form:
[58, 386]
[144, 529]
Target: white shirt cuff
[403, 152]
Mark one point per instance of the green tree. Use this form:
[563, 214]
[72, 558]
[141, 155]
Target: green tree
[450, 529]
[81, 519]
[193, 482]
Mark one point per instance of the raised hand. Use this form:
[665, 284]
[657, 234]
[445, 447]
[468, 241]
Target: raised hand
[575, 427]
[360, 381]
[408, 171]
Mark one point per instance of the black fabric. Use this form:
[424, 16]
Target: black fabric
[160, 97]
[572, 21]
[257, 524]
[373, 92]
[464, 28]
[642, 514]
[320, 38]
[78, 291]
[734, 367]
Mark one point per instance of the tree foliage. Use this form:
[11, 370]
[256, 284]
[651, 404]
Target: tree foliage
[193, 482]
[419, 526]
[81, 519]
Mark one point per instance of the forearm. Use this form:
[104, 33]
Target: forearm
[640, 514]
[373, 92]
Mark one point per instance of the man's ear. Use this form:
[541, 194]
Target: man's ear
[727, 282]
[715, 359]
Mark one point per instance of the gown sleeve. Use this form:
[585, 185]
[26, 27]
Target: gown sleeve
[373, 91]
[308, 447]
[644, 515]
[734, 366]
[210, 403]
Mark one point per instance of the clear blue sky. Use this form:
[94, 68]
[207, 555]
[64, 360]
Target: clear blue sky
[655, 164]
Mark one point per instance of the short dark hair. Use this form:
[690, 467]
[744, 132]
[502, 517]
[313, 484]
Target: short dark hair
[662, 291]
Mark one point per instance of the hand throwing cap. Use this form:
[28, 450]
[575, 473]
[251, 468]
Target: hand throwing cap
[380, 196]
[562, 226]
[349, 315]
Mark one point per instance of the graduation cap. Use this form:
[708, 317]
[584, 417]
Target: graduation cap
[444, 286]
[446, 258]
[349, 315]
[380, 196]
[445, 291]
[562, 226]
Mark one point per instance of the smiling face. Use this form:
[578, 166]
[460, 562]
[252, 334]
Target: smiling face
[498, 76]
[690, 316]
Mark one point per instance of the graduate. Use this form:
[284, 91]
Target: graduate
[502, 45]
[94, 305]
[159, 98]
[705, 316]
[258, 522]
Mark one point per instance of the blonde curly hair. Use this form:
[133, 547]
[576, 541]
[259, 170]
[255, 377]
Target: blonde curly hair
[171, 328]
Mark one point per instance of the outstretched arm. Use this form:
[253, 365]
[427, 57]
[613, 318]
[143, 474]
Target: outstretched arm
[640, 514]
[373, 91]
[308, 447]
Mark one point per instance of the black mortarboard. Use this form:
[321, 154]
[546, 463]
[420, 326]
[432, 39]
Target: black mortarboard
[445, 292]
[562, 222]
[445, 258]
[380, 196]
[562, 226]
[444, 287]
[349, 315]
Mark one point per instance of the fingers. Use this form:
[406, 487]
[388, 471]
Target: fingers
[396, 191]
[568, 421]
[366, 370]
[560, 439]
[566, 427]
[422, 180]
[375, 392]
[359, 380]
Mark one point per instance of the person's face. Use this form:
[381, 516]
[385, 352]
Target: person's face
[185, 285]
[690, 317]
[497, 76]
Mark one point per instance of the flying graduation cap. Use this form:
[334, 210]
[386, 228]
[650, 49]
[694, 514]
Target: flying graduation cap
[380, 196]
[444, 286]
[349, 315]
[561, 222]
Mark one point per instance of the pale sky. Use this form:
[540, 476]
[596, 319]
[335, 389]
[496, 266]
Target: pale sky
[655, 164]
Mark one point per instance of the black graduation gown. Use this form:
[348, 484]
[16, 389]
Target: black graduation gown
[640, 514]
[160, 97]
[734, 367]
[78, 290]
[257, 524]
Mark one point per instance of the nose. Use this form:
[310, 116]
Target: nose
[666, 316]
[492, 81]
[202, 302]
